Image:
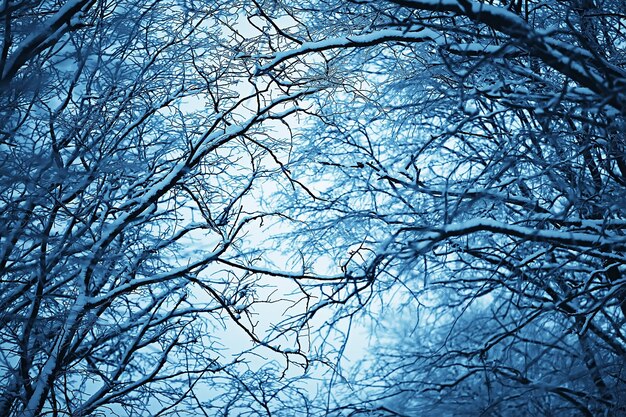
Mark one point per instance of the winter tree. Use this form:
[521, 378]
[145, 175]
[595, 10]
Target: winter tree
[130, 149]
[466, 162]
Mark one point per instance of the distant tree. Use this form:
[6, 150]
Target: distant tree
[469, 160]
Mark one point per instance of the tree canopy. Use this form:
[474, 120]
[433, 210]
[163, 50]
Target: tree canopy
[201, 202]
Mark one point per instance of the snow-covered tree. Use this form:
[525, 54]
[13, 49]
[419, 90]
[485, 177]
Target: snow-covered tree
[468, 161]
[129, 144]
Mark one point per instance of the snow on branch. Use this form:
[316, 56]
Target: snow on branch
[45, 36]
[556, 237]
[573, 62]
[356, 41]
